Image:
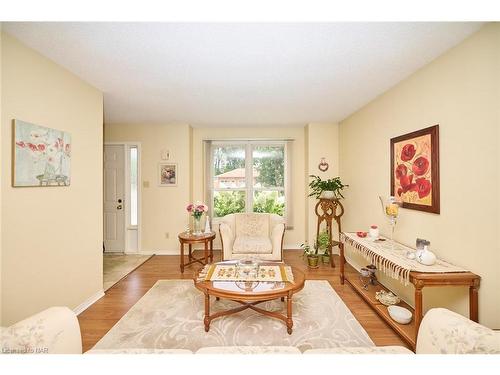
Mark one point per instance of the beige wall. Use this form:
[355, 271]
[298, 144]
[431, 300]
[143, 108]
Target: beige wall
[163, 208]
[322, 141]
[51, 237]
[460, 92]
[1, 304]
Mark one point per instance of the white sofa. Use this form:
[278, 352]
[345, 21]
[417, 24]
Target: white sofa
[56, 330]
[52, 331]
[252, 234]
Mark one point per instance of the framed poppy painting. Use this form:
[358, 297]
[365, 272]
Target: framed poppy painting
[415, 169]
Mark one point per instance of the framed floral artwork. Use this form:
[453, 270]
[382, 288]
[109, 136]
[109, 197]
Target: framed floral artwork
[415, 169]
[41, 156]
[167, 174]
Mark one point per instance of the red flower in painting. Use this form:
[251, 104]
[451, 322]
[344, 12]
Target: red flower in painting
[21, 144]
[41, 147]
[406, 182]
[423, 187]
[408, 152]
[32, 147]
[420, 166]
[401, 171]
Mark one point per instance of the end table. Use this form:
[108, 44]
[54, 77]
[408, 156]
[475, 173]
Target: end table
[190, 239]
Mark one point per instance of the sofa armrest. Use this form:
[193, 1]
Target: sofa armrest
[227, 239]
[444, 332]
[52, 331]
[361, 350]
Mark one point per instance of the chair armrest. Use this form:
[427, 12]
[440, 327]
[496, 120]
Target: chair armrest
[277, 240]
[444, 332]
[227, 240]
[52, 331]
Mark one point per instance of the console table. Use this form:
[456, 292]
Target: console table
[420, 280]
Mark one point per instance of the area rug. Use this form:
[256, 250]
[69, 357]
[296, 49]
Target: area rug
[116, 267]
[170, 315]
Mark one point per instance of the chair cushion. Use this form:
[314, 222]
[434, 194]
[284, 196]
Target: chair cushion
[252, 225]
[252, 245]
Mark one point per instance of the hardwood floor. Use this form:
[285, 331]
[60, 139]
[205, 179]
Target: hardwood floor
[98, 319]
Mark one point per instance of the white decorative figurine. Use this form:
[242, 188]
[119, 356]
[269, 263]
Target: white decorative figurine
[426, 257]
[207, 225]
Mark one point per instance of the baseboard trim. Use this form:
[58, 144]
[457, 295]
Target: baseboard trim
[160, 252]
[177, 251]
[88, 302]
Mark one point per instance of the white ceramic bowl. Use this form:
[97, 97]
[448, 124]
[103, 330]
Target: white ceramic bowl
[400, 314]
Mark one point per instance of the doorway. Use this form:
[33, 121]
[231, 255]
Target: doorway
[122, 192]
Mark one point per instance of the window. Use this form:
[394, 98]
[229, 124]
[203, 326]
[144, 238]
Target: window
[247, 176]
[133, 186]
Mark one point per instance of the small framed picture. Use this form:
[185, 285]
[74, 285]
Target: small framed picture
[167, 174]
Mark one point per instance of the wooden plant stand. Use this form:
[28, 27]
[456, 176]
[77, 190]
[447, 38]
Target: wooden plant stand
[329, 210]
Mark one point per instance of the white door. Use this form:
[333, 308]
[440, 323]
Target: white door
[114, 198]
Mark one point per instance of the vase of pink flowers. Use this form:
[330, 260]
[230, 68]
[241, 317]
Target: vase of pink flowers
[196, 210]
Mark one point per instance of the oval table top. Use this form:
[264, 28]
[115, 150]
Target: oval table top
[253, 290]
[190, 237]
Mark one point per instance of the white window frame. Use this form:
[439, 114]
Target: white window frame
[249, 189]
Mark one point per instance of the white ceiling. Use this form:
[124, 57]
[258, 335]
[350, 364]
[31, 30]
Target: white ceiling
[239, 74]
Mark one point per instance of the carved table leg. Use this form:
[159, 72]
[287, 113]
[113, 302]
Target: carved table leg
[206, 252]
[190, 255]
[419, 284]
[473, 301]
[182, 257]
[207, 312]
[211, 251]
[289, 321]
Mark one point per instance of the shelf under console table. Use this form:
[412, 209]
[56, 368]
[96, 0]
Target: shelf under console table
[408, 272]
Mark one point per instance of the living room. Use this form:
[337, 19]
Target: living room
[236, 119]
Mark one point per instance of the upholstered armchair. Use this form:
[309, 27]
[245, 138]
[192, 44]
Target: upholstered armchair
[252, 235]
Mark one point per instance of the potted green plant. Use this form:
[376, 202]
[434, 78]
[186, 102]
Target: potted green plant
[311, 254]
[327, 189]
[324, 245]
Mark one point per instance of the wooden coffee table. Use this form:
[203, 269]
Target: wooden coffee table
[250, 294]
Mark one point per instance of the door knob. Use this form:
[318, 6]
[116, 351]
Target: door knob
[120, 201]
[119, 207]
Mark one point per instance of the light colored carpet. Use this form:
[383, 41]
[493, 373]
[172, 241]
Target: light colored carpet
[170, 315]
[115, 267]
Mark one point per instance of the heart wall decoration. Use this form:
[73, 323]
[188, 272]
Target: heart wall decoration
[323, 165]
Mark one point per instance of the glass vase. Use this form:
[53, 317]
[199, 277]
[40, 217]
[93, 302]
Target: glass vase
[390, 207]
[197, 225]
